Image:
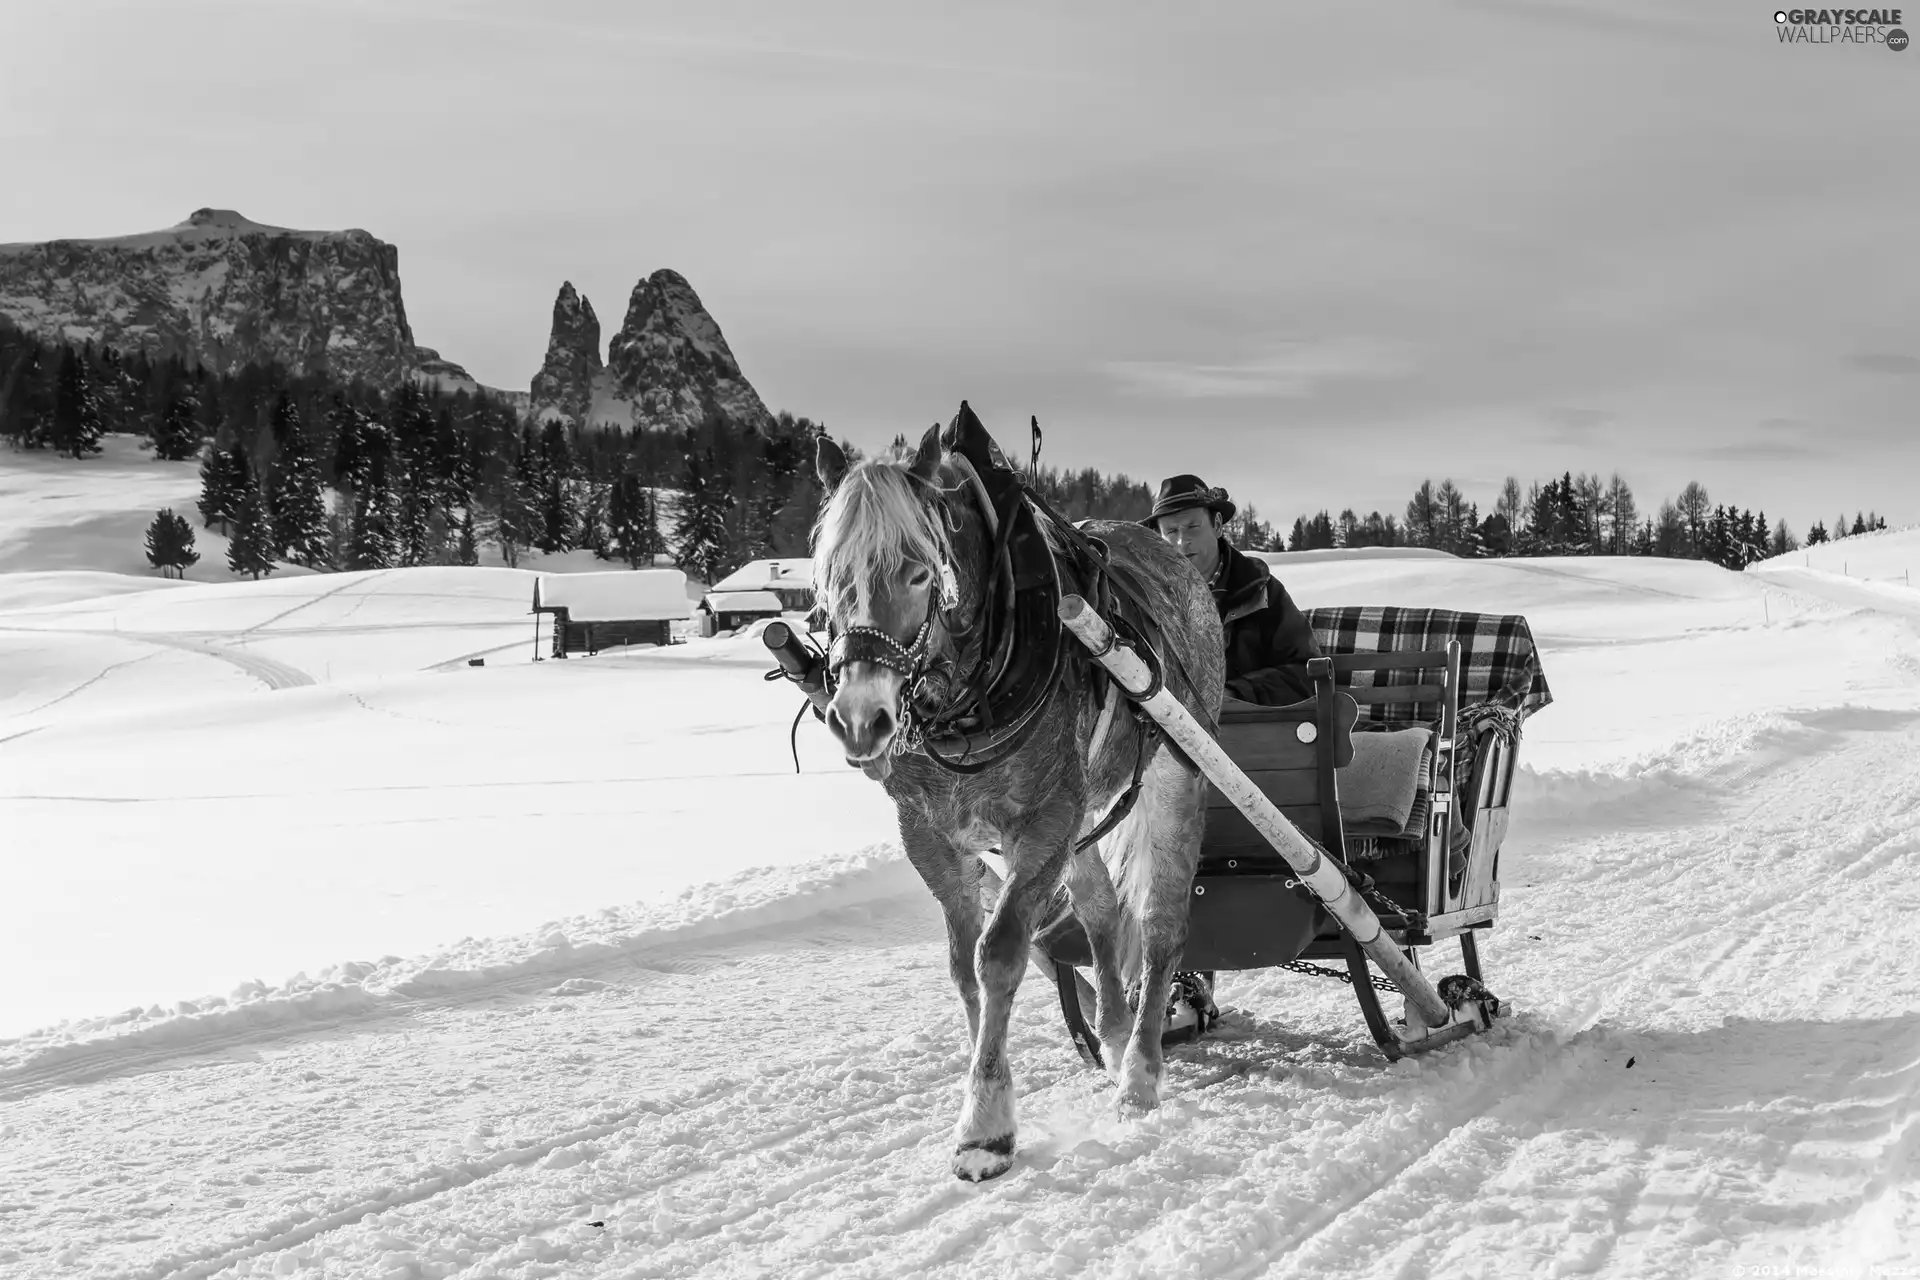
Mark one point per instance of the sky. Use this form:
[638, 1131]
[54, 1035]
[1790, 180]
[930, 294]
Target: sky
[1315, 254]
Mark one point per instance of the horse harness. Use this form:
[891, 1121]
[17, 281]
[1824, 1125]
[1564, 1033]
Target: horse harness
[1016, 654]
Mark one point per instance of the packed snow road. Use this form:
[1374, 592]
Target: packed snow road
[1715, 1063]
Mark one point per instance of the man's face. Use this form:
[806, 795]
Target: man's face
[1195, 534]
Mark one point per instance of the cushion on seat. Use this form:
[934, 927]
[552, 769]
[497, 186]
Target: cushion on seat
[1387, 781]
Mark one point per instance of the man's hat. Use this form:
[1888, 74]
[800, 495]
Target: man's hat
[1181, 493]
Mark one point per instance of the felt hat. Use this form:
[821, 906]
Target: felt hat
[1182, 493]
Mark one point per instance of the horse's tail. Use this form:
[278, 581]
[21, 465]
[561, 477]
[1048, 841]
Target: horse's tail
[1151, 856]
[1127, 851]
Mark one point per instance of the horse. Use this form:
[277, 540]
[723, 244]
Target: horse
[927, 613]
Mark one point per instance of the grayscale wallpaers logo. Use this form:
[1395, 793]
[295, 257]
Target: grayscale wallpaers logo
[1840, 26]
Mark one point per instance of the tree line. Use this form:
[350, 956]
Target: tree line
[1573, 515]
[306, 470]
[303, 469]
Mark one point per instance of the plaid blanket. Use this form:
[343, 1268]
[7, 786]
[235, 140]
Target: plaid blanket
[1499, 666]
[1501, 684]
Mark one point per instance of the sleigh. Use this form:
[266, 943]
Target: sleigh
[1400, 767]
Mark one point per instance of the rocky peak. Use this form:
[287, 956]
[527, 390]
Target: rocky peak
[671, 361]
[564, 385]
[225, 291]
[665, 366]
[665, 321]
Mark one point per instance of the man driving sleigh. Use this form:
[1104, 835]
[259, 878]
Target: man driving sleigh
[1268, 639]
[1268, 644]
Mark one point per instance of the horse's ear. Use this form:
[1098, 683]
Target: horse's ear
[927, 460]
[830, 463]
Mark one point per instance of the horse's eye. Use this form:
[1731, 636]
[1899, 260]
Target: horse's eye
[919, 577]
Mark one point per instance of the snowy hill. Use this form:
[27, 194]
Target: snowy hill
[416, 968]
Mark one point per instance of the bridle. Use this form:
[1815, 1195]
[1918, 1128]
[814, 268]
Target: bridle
[913, 661]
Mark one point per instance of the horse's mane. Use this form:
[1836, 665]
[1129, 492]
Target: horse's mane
[873, 524]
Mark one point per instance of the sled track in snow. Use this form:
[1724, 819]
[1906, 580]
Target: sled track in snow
[272, 673]
[110, 1059]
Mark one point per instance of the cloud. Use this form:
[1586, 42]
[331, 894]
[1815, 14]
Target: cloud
[1579, 422]
[1754, 451]
[1784, 424]
[1292, 371]
[1888, 362]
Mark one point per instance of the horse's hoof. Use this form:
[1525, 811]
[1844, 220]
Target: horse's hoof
[980, 1161]
[1136, 1100]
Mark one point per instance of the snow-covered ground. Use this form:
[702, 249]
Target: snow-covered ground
[329, 954]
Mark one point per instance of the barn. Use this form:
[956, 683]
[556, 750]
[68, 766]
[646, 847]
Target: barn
[790, 581]
[595, 611]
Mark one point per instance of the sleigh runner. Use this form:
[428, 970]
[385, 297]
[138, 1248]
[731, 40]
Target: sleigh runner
[1401, 767]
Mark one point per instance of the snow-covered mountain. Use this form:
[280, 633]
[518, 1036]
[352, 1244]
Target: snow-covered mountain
[665, 366]
[225, 291]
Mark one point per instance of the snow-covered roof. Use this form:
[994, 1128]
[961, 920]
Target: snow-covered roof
[762, 575]
[743, 602]
[625, 595]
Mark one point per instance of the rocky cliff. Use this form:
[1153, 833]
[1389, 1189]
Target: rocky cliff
[665, 366]
[225, 291]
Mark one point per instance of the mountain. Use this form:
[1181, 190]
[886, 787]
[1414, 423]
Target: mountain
[225, 291]
[665, 368]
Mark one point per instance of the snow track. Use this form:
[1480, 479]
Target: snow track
[779, 1103]
[272, 673]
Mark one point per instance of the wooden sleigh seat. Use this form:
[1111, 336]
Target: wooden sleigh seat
[1401, 765]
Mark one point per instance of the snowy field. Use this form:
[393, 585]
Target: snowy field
[331, 955]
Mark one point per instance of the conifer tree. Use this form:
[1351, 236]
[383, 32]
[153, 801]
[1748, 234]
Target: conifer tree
[250, 544]
[700, 532]
[467, 550]
[170, 544]
[559, 509]
[630, 521]
[370, 538]
[297, 511]
[216, 490]
[176, 434]
[76, 408]
[412, 527]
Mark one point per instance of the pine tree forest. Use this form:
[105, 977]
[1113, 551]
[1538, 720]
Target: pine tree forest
[307, 471]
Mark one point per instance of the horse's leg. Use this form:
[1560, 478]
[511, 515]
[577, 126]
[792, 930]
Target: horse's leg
[955, 884]
[983, 1138]
[1174, 800]
[1097, 907]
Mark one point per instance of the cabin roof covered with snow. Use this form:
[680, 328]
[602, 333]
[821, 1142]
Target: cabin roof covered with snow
[743, 602]
[794, 574]
[627, 595]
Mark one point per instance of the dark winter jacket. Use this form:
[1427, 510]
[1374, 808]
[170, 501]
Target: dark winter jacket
[1268, 639]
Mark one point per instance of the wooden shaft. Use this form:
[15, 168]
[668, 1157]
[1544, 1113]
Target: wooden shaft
[1204, 750]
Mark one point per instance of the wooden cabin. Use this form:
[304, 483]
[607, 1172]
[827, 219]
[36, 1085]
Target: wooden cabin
[790, 581]
[732, 610]
[595, 611]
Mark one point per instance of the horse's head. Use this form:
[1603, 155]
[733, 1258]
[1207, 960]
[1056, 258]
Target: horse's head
[894, 565]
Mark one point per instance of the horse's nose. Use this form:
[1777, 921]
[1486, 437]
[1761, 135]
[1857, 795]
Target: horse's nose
[860, 729]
